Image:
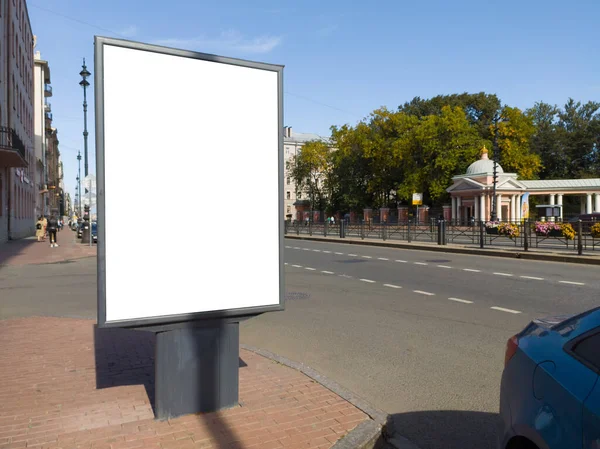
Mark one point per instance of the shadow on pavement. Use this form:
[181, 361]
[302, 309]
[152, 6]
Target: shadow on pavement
[14, 248]
[448, 429]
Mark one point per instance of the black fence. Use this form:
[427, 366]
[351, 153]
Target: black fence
[574, 235]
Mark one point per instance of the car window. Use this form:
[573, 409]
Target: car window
[589, 350]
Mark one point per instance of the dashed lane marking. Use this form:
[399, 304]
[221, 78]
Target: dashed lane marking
[310, 269]
[533, 278]
[328, 272]
[367, 257]
[421, 292]
[420, 263]
[306, 249]
[297, 266]
[503, 274]
[444, 266]
[401, 261]
[502, 309]
[327, 252]
[317, 250]
[571, 283]
[339, 254]
[288, 247]
[367, 280]
[382, 258]
[464, 301]
[352, 255]
[471, 270]
[391, 286]
[295, 247]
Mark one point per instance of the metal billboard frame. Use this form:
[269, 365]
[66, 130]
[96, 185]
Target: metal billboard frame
[178, 320]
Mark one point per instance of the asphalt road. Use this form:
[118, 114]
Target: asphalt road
[413, 332]
[421, 335]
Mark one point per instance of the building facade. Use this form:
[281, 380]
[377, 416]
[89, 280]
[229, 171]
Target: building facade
[17, 158]
[42, 130]
[292, 146]
[472, 193]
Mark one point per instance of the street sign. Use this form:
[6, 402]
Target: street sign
[218, 120]
[417, 199]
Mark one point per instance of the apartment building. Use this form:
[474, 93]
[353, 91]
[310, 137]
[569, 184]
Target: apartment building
[17, 158]
[292, 146]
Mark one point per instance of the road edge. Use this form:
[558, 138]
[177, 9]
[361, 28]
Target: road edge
[448, 249]
[368, 434]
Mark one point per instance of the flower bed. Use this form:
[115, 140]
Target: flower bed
[506, 229]
[552, 229]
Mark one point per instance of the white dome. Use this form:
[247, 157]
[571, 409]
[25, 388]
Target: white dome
[483, 166]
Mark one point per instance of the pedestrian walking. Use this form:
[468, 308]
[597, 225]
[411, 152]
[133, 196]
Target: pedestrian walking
[39, 229]
[45, 220]
[52, 230]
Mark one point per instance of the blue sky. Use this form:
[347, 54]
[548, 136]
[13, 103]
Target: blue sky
[343, 59]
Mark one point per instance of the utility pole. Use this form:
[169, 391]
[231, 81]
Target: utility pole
[495, 172]
[84, 83]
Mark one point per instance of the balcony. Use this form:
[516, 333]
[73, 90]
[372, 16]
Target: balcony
[47, 107]
[47, 90]
[48, 116]
[12, 149]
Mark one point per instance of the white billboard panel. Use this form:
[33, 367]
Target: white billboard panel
[205, 133]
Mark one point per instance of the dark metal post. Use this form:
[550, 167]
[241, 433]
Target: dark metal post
[325, 228]
[362, 229]
[579, 237]
[440, 232]
[84, 83]
[342, 228]
[196, 370]
[310, 226]
[383, 231]
[86, 234]
[408, 230]
[285, 227]
[526, 235]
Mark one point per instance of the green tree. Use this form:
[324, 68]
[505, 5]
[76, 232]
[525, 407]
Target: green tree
[515, 132]
[544, 141]
[311, 171]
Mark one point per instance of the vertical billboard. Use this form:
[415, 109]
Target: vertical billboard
[181, 137]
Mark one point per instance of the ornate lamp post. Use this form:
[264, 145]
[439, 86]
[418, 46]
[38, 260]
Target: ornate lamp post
[494, 214]
[84, 83]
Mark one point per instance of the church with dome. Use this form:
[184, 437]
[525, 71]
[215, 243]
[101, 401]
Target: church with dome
[472, 192]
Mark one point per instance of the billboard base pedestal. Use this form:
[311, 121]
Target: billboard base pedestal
[197, 369]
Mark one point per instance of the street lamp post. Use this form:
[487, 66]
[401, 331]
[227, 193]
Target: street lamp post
[494, 214]
[79, 180]
[84, 83]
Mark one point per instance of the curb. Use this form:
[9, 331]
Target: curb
[448, 249]
[368, 434]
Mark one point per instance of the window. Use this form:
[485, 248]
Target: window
[587, 349]
[288, 181]
[288, 195]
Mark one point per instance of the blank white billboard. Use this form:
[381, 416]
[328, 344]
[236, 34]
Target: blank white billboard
[197, 141]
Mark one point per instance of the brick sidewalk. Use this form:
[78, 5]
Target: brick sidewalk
[30, 251]
[65, 384]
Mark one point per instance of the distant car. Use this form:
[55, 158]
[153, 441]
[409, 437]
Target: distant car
[79, 230]
[550, 390]
[95, 232]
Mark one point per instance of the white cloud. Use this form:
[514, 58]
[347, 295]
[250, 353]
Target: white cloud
[129, 31]
[226, 41]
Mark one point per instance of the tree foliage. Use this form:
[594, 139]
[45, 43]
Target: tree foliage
[390, 155]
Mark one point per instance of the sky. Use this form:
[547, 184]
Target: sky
[342, 59]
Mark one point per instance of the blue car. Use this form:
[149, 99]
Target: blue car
[550, 391]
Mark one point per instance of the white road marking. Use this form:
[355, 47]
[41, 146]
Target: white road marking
[306, 249]
[382, 258]
[367, 257]
[327, 252]
[471, 270]
[571, 283]
[367, 280]
[443, 266]
[310, 269]
[391, 286]
[285, 263]
[339, 254]
[532, 278]
[317, 250]
[295, 247]
[352, 255]
[502, 309]
[423, 293]
[297, 266]
[401, 261]
[328, 272]
[420, 263]
[503, 274]
[345, 276]
[288, 247]
[464, 301]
